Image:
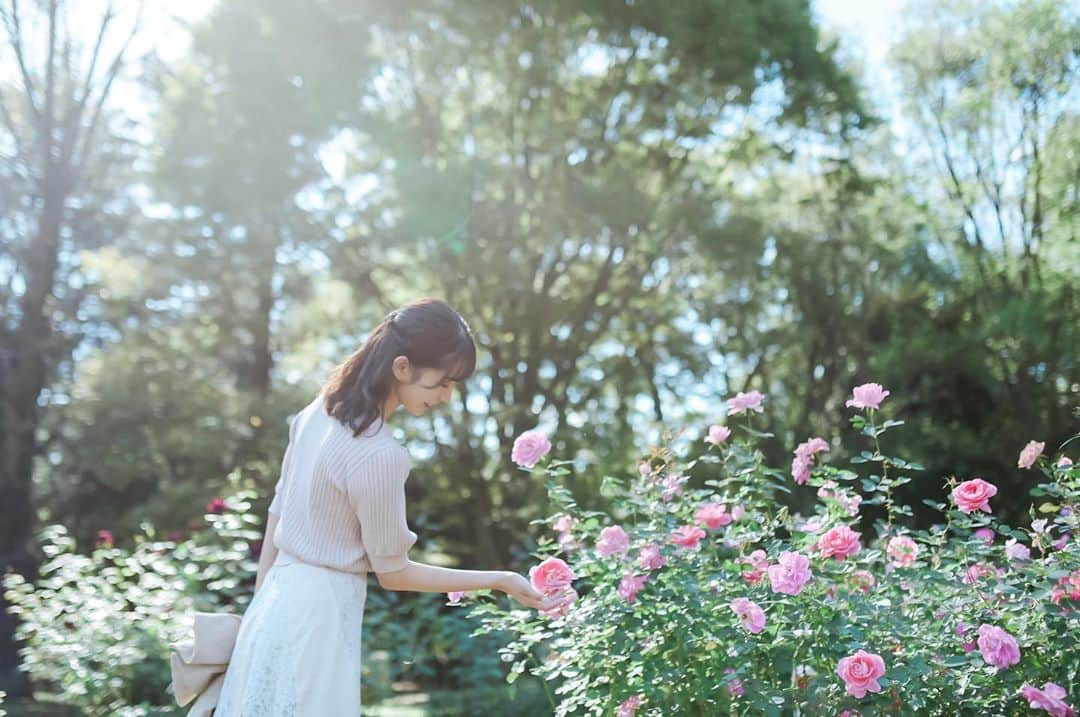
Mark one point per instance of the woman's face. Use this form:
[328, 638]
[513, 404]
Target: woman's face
[420, 390]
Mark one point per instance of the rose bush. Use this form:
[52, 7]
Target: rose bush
[692, 610]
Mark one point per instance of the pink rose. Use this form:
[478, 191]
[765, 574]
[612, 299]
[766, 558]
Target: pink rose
[903, 551]
[974, 494]
[750, 614]
[104, 539]
[860, 673]
[735, 686]
[564, 523]
[688, 536]
[737, 512]
[1030, 453]
[791, 574]
[745, 402]
[868, 395]
[644, 469]
[630, 585]
[529, 448]
[1066, 587]
[862, 580]
[998, 647]
[454, 596]
[839, 543]
[804, 458]
[1015, 550]
[672, 486]
[974, 573]
[650, 557]
[215, 506]
[718, 434]
[986, 535]
[1050, 698]
[551, 576]
[630, 707]
[759, 562]
[712, 516]
[1064, 462]
[613, 539]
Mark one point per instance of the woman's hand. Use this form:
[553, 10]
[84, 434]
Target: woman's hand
[517, 587]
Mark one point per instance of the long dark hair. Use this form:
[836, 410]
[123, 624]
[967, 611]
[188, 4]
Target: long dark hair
[427, 331]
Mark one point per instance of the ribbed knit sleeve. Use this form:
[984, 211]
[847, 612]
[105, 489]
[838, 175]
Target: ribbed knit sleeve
[376, 488]
[275, 504]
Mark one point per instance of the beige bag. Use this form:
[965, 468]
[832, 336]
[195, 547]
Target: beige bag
[198, 665]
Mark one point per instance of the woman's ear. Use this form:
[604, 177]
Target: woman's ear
[402, 369]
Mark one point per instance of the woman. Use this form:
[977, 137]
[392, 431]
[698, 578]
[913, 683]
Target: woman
[338, 513]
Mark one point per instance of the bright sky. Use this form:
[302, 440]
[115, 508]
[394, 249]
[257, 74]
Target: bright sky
[866, 27]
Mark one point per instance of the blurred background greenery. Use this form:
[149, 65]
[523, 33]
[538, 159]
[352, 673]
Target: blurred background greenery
[640, 208]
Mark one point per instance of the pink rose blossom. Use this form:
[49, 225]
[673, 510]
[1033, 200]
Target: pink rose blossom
[529, 448]
[104, 539]
[860, 673]
[839, 542]
[759, 562]
[630, 585]
[672, 486]
[1064, 462]
[850, 502]
[974, 494]
[1050, 698]
[630, 707]
[998, 647]
[751, 615]
[718, 434]
[903, 551]
[1066, 587]
[613, 539]
[564, 523]
[974, 573]
[644, 469]
[454, 596]
[737, 512]
[551, 576]
[791, 574]
[862, 580]
[1015, 550]
[986, 535]
[1030, 453]
[215, 506]
[688, 536]
[745, 402]
[712, 516]
[804, 458]
[735, 686]
[650, 557]
[868, 395]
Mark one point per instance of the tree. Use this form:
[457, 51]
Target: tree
[61, 149]
[548, 168]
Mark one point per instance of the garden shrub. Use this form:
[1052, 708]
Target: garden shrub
[718, 600]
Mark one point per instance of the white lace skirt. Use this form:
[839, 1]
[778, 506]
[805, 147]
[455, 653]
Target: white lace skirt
[298, 650]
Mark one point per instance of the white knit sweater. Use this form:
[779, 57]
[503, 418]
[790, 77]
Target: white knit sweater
[341, 499]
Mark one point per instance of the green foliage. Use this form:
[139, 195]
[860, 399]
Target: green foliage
[680, 646]
[98, 627]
